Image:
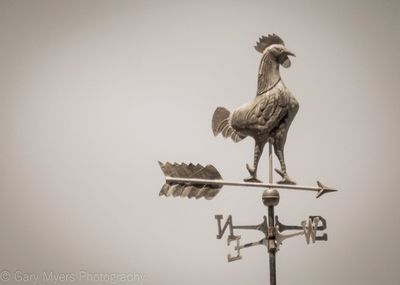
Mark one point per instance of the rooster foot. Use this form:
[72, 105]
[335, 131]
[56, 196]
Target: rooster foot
[252, 179]
[253, 175]
[286, 179]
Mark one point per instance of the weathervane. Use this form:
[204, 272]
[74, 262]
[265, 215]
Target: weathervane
[266, 119]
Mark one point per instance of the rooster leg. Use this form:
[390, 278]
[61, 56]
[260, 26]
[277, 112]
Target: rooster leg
[282, 172]
[258, 149]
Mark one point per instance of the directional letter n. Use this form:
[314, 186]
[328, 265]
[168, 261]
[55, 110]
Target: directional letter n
[221, 230]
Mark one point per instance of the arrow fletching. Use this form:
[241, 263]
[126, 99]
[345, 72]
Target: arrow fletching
[190, 189]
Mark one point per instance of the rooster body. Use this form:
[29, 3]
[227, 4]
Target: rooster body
[268, 116]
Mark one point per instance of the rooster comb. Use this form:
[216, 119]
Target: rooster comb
[266, 41]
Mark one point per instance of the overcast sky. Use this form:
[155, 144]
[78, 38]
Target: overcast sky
[94, 93]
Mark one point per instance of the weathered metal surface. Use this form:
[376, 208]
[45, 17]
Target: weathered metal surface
[185, 188]
[266, 119]
[268, 116]
[272, 230]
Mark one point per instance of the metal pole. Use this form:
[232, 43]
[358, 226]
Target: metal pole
[271, 228]
[272, 247]
[271, 177]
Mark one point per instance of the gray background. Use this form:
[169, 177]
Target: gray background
[93, 93]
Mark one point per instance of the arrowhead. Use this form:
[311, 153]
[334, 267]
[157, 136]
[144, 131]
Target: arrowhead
[324, 189]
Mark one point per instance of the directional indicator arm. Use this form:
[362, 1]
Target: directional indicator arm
[260, 242]
[308, 228]
[228, 225]
[280, 237]
[320, 189]
[263, 227]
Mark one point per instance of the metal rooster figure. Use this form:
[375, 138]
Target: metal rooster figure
[266, 119]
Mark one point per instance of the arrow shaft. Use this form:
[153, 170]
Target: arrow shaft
[238, 183]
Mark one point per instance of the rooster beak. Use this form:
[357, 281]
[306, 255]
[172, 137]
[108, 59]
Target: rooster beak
[288, 52]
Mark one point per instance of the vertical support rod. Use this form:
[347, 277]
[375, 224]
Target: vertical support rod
[271, 227]
[270, 163]
[272, 246]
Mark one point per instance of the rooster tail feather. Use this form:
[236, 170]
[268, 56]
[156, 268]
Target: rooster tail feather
[221, 124]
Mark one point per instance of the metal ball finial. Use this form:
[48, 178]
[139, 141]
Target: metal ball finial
[270, 197]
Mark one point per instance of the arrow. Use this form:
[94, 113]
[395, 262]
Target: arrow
[207, 182]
